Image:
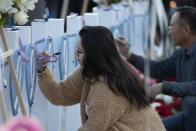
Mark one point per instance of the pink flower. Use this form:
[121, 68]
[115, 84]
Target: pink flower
[22, 124]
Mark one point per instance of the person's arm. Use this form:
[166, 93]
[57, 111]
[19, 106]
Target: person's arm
[179, 89]
[158, 69]
[104, 109]
[66, 92]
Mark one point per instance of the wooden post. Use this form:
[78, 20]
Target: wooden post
[3, 107]
[21, 103]
[64, 9]
[2, 102]
[84, 6]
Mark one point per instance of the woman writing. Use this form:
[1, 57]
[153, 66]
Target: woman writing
[111, 97]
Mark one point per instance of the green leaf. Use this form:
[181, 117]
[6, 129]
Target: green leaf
[3, 20]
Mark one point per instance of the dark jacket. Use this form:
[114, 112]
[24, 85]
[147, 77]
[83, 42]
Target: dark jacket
[182, 65]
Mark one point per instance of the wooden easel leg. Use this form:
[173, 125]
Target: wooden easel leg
[84, 6]
[64, 9]
[3, 107]
[11, 67]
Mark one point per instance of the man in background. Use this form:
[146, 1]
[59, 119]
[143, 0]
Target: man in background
[182, 65]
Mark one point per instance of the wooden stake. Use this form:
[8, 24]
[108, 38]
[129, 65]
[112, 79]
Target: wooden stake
[3, 107]
[21, 103]
[2, 102]
[64, 9]
[84, 6]
[6, 54]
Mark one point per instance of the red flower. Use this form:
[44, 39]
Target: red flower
[167, 79]
[176, 103]
[164, 110]
[159, 101]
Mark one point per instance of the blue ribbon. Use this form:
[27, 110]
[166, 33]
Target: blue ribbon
[31, 73]
[75, 47]
[31, 67]
[18, 58]
[129, 20]
[49, 46]
[64, 57]
[19, 68]
[121, 28]
[145, 32]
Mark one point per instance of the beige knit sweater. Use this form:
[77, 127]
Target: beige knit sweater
[106, 110]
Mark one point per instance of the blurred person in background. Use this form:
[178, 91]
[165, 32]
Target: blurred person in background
[181, 64]
[171, 5]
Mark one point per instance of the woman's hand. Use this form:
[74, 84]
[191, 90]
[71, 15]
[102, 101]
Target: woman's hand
[42, 63]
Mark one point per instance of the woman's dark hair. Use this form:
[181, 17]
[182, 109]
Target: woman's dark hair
[101, 58]
[188, 15]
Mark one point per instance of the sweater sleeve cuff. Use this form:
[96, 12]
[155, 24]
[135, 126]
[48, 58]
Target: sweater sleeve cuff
[45, 73]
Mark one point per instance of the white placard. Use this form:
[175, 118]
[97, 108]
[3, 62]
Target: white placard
[39, 31]
[72, 117]
[24, 34]
[119, 9]
[12, 38]
[139, 7]
[74, 24]
[55, 27]
[40, 106]
[91, 19]
[55, 30]
[107, 17]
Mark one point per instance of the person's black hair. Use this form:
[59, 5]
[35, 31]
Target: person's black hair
[101, 58]
[188, 15]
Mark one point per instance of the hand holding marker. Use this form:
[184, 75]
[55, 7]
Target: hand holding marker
[44, 58]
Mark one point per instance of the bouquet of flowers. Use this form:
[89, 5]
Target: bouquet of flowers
[16, 8]
[166, 105]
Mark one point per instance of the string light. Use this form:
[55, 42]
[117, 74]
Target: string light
[172, 4]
